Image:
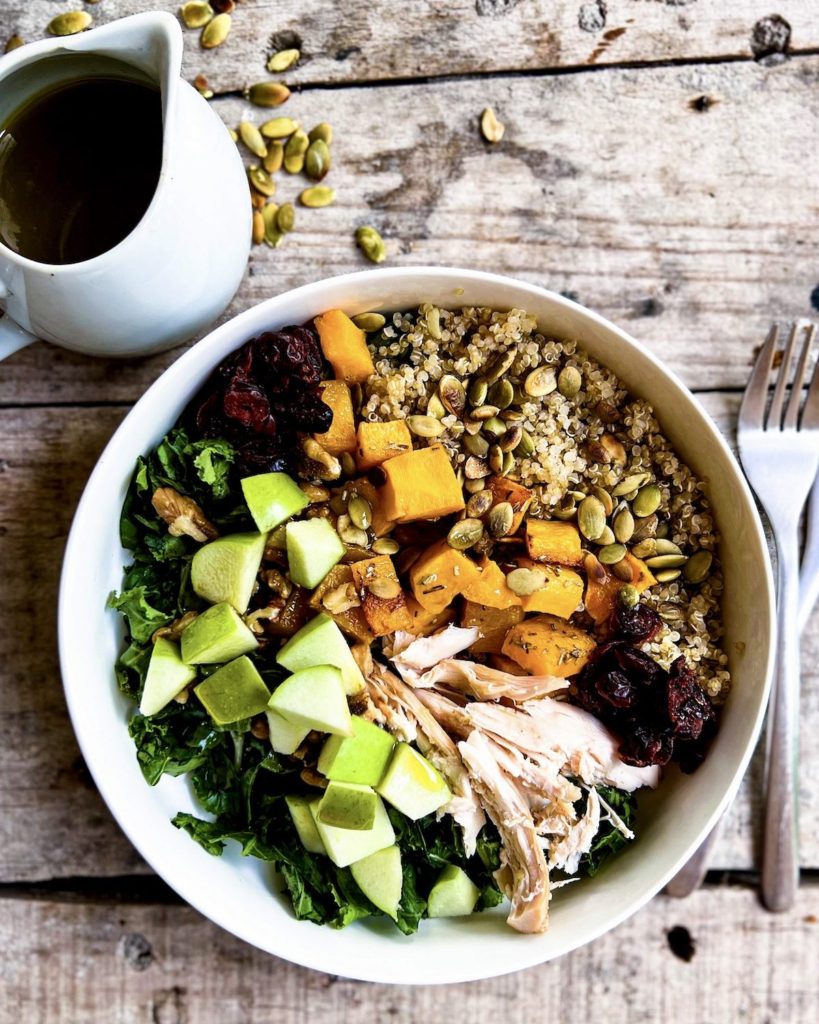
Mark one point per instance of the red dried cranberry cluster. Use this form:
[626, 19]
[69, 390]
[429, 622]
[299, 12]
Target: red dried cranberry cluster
[660, 716]
[262, 396]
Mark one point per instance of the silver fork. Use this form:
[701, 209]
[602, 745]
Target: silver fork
[780, 455]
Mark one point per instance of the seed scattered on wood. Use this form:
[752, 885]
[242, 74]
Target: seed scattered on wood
[317, 196]
[275, 157]
[258, 228]
[14, 43]
[268, 94]
[371, 243]
[261, 181]
[70, 23]
[279, 128]
[196, 14]
[491, 128]
[252, 138]
[283, 60]
[286, 218]
[294, 152]
[317, 160]
[322, 131]
[215, 32]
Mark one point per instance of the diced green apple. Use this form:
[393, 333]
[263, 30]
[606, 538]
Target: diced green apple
[226, 568]
[346, 845]
[285, 737]
[321, 642]
[380, 878]
[300, 812]
[313, 548]
[167, 676]
[412, 785]
[348, 805]
[453, 895]
[272, 498]
[314, 698]
[234, 692]
[218, 634]
[360, 758]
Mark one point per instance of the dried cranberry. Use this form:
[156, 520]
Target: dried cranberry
[645, 746]
[616, 688]
[687, 706]
[638, 624]
[247, 404]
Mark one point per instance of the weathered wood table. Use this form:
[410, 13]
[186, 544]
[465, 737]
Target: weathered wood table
[659, 164]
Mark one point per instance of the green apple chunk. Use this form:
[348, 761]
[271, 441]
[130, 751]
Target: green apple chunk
[285, 737]
[225, 569]
[412, 785]
[313, 548]
[360, 758]
[234, 691]
[272, 498]
[380, 878]
[348, 805]
[167, 676]
[218, 634]
[321, 642]
[315, 699]
[453, 895]
[346, 845]
[299, 807]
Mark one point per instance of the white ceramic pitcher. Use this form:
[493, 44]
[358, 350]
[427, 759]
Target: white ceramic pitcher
[181, 265]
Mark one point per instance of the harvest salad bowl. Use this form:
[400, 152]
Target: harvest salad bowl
[517, 620]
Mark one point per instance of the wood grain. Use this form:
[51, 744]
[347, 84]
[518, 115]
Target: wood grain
[168, 965]
[691, 228]
[52, 822]
[349, 41]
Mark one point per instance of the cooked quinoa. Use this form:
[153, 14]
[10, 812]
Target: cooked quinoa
[412, 353]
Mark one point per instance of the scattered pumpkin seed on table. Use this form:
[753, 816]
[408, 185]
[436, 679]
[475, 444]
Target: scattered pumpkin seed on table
[70, 23]
[323, 131]
[14, 43]
[286, 218]
[275, 157]
[317, 159]
[258, 228]
[261, 181]
[294, 152]
[317, 196]
[268, 94]
[252, 138]
[196, 14]
[215, 32]
[279, 128]
[371, 243]
[491, 128]
[283, 60]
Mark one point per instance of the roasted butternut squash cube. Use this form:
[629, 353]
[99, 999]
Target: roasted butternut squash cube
[518, 496]
[384, 613]
[440, 575]
[377, 442]
[341, 436]
[348, 617]
[548, 646]
[344, 346]
[561, 594]
[490, 587]
[492, 623]
[553, 541]
[424, 623]
[601, 594]
[381, 524]
[420, 485]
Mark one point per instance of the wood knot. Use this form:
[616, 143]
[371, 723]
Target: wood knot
[137, 952]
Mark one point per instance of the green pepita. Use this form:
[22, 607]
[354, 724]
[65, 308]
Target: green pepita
[282, 61]
[495, 458]
[647, 501]
[385, 546]
[667, 547]
[698, 567]
[269, 214]
[360, 512]
[476, 444]
[317, 196]
[464, 534]
[452, 394]
[425, 426]
[667, 575]
[261, 181]
[524, 582]
[386, 588]
[629, 484]
[435, 407]
[508, 463]
[500, 519]
[526, 447]
[252, 138]
[501, 394]
[275, 157]
[623, 526]
[611, 553]
[491, 128]
[70, 23]
[371, 243]
[473, 486]
[623, 571]
[604, 498]
[195, 14]
[317, 160]
[268, 94]
[645, 548]
[478, 391]
[540, 382]
[628, 596]
[279, 128]
[286, 218]
[258, 228]
[607, 536]
[511, 439]
[591, 517]
[433, 320]
[322, 131]
[215, 32]
[666, 561]
[569, 381]
[479, 503]
[494, 427]
[565, 511]
[645, 528]
[498, 366]
[294, 152]
[369, 322]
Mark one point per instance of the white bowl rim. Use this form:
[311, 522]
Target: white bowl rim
[196, 360]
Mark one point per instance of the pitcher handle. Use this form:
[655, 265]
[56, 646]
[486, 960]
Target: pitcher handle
[13, 336]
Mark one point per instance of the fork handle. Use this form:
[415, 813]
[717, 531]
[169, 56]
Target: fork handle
[809, 592]
[780, 856]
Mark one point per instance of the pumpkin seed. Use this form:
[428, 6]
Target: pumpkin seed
[647, 501]
[70, 23]
[371, 243]
[275, 157]
[433, 319]
[540, 382]
[645, 548]
[591, 517]
[387, 588]
[473, 486]
[495, 458]
[698, 567]
[195, 14]
[606, 537]
[425, 426]
[464, 534]
[623, 571]
[666, 561]
[252, 138]
[258, 228]
[508, 463]
[435, 407]
[569, 381]
[261, 181]
[484, 412]
[338, 503]
[498, 366]
[628, 596]
[322, 131]
[491, 128]
[351, 534]
[512, 416]
[215, 32]
[317, 160]
[385, 546]
[628, 484]
[501, 394]
[360, 512]
[452, 394]
[499, 521]
[577, 495]
[472, 426]
[623, 526]
[348, 464]
[667, 575]
[318, 196]
[476, 444]
[662, 531]
[476, 468]
[369, 322]
[613, 449]
[14, 43]
[594, 570]
[294, 152]
[286, 218]
[478, 390]
[282, 60]
[565, 511]
[268, 94]
[524, 582]
[494, 427]
[511, 439]
[645, 528]
[526, 447]
[604, 498]
[667, 547]
[279, 128]
[271, 231]
[480, 503]
[611, 553]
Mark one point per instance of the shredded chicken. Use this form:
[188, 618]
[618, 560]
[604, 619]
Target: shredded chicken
[565, 854]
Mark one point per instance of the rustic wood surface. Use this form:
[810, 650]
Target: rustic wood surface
[662, 175]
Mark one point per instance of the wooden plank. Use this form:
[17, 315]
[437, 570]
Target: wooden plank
[167, 965]
[588, 194]
[363, 42]
[52, 823]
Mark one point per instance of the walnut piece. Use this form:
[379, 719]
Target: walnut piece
[174, 630]
[183, 515]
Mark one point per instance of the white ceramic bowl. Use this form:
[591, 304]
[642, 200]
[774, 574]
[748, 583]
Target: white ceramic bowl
[240, 894]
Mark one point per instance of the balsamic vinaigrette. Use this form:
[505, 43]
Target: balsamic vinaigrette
[64, 198]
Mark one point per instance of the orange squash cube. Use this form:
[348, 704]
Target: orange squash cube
[553, 541]
[601, 594]
[421, 485]
[492, 624]
[518, 496]
[344, 346]
[490, 587]
[341, 436]
[562, 594]
[440, 575]
[381, 524]
[384, 615]
[548, 646]
[377, 442]
[424, 622]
